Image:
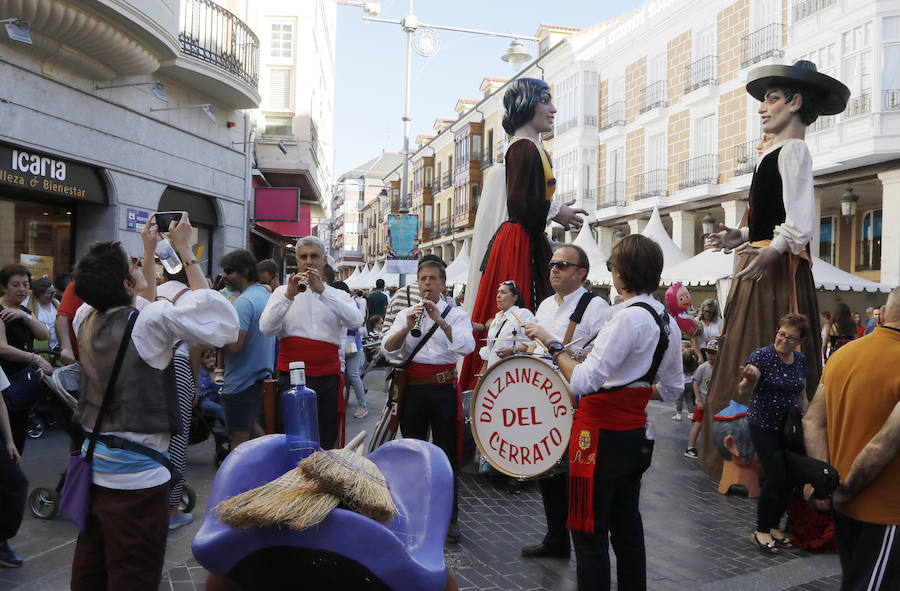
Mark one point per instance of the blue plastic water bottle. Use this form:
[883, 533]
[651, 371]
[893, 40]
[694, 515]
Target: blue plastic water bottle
[301, 416]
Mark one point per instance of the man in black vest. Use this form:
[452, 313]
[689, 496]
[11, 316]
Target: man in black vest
[570, 314]
[773, 275]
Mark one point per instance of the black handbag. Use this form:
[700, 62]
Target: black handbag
[793, 431]
[24, 388]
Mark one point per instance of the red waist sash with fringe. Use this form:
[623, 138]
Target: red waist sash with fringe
[426, 370]
[616, 410]
[321, 358]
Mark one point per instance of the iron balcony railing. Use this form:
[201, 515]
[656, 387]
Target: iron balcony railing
[700, 73]
[446, 180]
[564, 126]
[487, 158]
[762, 44]
[744, 157]
[823, 122]
[499, 152]
[699, 170]
[565, 196]
[214, 35]
[435, 185]
[589, 194]
[859, 105]
[653, 96]
[653, 183]
[611, 194]
[613, 115]
[590, 120]
[806, 8]
[890, 100]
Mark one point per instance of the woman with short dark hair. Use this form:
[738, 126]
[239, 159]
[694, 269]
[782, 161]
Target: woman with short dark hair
[840, 331]
[777, 376]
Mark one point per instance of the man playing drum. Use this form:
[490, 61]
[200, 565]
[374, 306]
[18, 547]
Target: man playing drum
[608, 449]
[571, 314]
[431, 400]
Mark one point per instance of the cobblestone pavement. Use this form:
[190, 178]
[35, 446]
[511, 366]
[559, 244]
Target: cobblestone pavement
[696, 538]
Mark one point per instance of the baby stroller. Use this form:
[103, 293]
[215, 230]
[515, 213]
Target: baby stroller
[208, 419]
[63, 386]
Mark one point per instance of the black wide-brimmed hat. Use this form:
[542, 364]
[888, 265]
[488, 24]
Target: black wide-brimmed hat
[802, 74]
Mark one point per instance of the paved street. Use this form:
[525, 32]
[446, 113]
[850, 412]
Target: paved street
[696, 538]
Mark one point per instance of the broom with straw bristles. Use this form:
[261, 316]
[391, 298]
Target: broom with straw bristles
[303, 496]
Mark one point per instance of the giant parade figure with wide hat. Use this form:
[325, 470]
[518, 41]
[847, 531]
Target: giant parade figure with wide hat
[773, 274]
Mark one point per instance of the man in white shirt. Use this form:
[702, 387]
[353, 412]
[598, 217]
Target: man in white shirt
[310, 319]
[554, 321]
[431, 400]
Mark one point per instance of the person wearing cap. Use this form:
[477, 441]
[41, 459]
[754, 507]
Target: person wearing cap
[701, 389]
[310, 318]
[773, 274]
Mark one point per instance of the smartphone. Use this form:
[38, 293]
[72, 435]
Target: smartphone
[165, 218]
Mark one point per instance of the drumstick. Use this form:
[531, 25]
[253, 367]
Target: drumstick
[570, 343]
[519, 320]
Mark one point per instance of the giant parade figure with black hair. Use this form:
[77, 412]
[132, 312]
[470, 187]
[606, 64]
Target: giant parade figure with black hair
[773, 275]
[517, 202]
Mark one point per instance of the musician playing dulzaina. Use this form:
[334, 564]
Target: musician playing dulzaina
[609, 449]
[571, 315]
[431, 400]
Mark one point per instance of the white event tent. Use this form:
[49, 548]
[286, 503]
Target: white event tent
[672, 255]
[598, 273]
[458, 270]
[357, 282]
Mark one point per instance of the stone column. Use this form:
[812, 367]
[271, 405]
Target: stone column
[817, 228]
[890, 221]
[683, 230]
[734, 211]
[606, 238]
[637, 226]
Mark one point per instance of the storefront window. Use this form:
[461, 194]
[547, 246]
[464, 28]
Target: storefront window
[36, 235]
[827, 235]
[870, 244]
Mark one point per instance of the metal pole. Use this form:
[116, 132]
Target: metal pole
[409, 25]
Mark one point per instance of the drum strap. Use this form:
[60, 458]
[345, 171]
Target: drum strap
[662, 321]
[577, 315]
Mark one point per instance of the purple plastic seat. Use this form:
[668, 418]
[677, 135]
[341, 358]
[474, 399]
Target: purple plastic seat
[407, 554]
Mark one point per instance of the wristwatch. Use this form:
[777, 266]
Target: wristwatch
[554, 348]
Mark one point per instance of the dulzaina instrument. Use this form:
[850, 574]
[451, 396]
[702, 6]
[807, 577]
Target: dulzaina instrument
[521, 416]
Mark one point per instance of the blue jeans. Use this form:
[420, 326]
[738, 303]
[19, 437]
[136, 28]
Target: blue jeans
[354, 363]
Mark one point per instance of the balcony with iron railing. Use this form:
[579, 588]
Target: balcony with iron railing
[435, 185]
[566, 125]
[653, 183]
[699, 170]
[589, 120]
[612, 115]
[446, 181]
[216, 36]
[805, 8]
[653, 96]
[500, 152]
[744, 157]
[700, 73]
[487, 159]
[822, 123]
[611, 195]
[762, 44]
[858, 105]
[565, 196]
[890, 100]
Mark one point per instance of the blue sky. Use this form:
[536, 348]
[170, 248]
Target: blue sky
[370, 64]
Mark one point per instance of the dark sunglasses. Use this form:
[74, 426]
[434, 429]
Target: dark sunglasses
[563, 265]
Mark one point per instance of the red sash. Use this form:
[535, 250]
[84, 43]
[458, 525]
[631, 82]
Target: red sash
[321, 359]
[425, 370]
[618, 410]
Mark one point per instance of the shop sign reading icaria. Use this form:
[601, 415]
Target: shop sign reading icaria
[27, 170]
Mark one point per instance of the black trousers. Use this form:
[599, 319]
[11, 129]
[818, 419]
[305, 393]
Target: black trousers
[434, 407]
[13, 493]
[622, 457]
[869, 553]
[327, 392]
[555, 495]
[772, 502]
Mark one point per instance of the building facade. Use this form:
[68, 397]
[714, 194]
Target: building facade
[116, 110]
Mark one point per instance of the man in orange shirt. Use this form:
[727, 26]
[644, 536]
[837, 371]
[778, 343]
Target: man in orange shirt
[854, 423]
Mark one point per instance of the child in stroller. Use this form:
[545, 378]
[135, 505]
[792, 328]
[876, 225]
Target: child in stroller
[209, 416]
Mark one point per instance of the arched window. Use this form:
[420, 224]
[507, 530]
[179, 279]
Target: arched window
[870, 242]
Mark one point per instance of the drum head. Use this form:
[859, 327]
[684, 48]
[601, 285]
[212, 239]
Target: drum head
[521, 416]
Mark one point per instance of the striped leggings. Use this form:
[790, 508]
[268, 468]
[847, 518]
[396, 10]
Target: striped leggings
[184, 384]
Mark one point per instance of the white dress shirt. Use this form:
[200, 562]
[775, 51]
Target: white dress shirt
[502, 329]
[795, 168]
[439, 350]
[554, 318]
[320, 317]
[623, 352]
[170, 290]
[202, 316]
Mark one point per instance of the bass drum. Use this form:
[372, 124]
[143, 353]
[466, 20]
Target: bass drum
[521, 416]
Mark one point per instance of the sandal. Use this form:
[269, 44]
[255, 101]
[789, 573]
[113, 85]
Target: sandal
[769, 548]
[784, 542]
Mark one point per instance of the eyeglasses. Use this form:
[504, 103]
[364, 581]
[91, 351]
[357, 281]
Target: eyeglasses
[609, 266]
[563, 265]
[786, 337]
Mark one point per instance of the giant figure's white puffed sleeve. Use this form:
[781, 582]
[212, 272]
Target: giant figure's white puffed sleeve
[202, 316]
[795, 168]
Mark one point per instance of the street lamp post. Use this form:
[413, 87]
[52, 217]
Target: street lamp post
[515, 55]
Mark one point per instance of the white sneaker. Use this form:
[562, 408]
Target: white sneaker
[677, 416]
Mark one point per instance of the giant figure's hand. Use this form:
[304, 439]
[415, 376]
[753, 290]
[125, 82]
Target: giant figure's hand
[570, 217]
[726, 239]
[760, 265]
